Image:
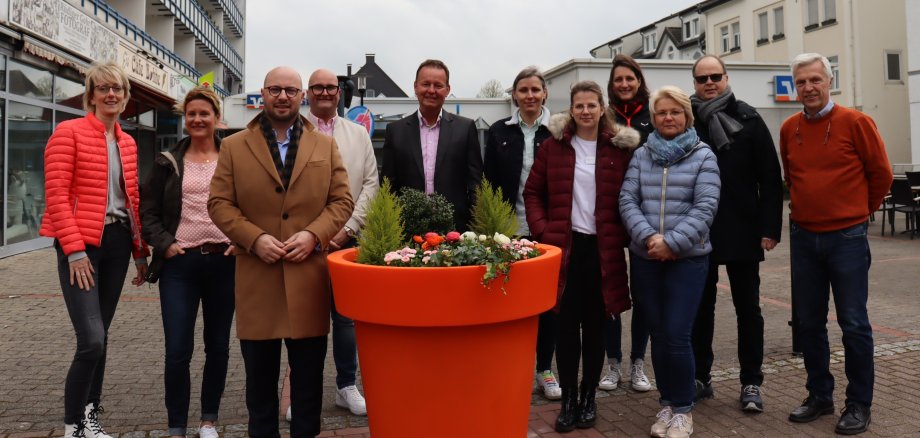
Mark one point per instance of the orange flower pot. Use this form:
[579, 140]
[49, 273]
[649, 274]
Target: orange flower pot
[441, 355]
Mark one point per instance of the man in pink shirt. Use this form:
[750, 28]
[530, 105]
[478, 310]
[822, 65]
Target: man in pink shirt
[432, 150]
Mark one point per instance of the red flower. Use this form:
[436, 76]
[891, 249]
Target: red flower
[453, 236]
[417, 239]
[433, 239]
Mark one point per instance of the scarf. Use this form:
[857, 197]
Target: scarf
[667, 152]
[287, 167]
[722, 128]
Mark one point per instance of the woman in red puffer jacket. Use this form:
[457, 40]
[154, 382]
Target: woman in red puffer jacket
[91, 191]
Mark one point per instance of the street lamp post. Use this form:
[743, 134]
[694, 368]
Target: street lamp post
[362, 86]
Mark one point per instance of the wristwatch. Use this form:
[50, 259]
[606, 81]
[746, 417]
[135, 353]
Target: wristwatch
[349, 232]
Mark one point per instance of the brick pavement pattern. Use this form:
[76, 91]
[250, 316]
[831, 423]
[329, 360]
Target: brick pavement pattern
[37, 343]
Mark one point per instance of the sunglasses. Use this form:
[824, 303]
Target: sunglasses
[715, 77]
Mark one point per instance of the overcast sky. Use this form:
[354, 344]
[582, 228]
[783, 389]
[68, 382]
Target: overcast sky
[477, 39]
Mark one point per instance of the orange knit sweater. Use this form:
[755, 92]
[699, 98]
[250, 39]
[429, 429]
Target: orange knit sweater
[836, 168]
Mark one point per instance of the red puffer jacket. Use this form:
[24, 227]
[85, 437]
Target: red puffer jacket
[76, 184]
[548, 203]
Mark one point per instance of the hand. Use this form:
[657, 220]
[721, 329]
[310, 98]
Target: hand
[767, 243]
[232, 250]
[82, 271]
[268, 249]
[299, 246]
[141, 273]
[339, 239]
[658, 249]
[173, 250]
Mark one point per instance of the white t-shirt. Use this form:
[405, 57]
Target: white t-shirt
[584, 190]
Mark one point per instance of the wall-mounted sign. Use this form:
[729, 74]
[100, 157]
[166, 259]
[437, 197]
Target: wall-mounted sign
[66, 26]
[362, 116]
[142, 69]
[254, 101]
[784, 89]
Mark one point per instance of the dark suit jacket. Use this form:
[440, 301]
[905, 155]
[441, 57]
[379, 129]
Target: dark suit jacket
[458, 165]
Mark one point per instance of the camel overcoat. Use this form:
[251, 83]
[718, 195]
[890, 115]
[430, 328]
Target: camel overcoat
[283, 299]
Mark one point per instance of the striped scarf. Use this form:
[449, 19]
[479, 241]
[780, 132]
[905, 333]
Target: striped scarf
[287, 167]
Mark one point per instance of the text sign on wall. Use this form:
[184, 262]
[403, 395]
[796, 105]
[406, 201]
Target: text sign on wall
[784, 89]
[143, 70]
[66, 26]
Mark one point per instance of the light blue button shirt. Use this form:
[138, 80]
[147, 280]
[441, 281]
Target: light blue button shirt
[283, 145]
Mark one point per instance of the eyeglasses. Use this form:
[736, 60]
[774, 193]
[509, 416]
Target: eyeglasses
[289, 91]
[674, 114]
[104, 89]
[715, 77]
[330, 89]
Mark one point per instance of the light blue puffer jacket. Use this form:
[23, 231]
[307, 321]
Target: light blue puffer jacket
[678, 201]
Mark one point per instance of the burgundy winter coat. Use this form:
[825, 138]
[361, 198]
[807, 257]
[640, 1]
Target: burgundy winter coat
[548, 202]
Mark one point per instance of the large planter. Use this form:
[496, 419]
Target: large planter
[441, 355]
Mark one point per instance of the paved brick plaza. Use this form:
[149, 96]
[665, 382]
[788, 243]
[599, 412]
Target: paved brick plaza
[37, 342]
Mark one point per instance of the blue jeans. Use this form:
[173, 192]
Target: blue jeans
[835, 261]
[670, 293]
[613, 332]
[344, 346]
[185, 280]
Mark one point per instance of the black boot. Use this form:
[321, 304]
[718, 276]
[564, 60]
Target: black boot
[569, 412]
[587, 410]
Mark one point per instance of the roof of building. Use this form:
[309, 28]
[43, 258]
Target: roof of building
[377, 79]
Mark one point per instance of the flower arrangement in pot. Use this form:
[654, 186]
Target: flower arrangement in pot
[416, 295]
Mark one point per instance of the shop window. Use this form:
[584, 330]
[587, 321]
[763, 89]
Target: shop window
[29, 130]
[2, 80]
[29, 81]
[60, 116]
[68, 93]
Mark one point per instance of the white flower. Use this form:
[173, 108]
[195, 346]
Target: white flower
[501, 238]
[483, 237]
[469, 235]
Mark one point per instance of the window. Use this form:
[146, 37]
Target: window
[779, 23]
[893, 66]
[764, 28]
[723, 32]
[68, 93]
[670, 51]
[691, 28]
[736, 36]
[835, 72]
[29, 81]
[830, 12]
[649, 43]
[811, 14]
[29, 129]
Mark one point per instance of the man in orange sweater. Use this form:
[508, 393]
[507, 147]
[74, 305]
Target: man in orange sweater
[837, 172]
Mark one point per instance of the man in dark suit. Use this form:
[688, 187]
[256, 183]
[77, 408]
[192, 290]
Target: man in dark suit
[432, 150]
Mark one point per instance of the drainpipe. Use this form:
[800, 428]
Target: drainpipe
[855, 57]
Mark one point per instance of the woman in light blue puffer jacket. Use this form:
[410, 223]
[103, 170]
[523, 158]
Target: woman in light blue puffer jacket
[667, 203]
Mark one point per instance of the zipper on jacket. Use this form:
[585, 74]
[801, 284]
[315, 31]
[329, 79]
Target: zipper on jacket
[664, 188]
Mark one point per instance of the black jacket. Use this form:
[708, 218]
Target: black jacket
[161, 203]
[751, 204]
[641, 121]
[504, 156]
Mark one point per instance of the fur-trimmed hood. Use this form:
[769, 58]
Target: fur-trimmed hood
[624, 137]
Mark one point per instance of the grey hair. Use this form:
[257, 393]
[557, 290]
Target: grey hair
[675, 94]
[808, 58]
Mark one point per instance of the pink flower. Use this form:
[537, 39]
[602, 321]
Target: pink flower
[426, 259]
[453, 236]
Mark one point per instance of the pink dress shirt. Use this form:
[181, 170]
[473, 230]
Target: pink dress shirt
[429, 138]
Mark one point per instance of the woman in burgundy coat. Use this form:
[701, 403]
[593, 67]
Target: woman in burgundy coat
[571, 200]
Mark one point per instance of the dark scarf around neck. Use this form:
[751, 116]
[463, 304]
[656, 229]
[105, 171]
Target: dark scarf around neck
[722, 127]
[286, 167]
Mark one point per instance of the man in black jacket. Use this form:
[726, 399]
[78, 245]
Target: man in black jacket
[748, 222]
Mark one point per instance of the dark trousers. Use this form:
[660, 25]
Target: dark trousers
[185, 281]
[263, 365]
[546, 340]
[744, 278]
[671, 294]
[613, 332]
[344, 346]
[581, 317]
[835, 261]
[91, 313]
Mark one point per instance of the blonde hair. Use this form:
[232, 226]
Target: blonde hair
[105, 73]
[206, 94]
[675, 94]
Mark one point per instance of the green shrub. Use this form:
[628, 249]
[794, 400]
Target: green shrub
[383, 229]
[423, 213]
[491, 214]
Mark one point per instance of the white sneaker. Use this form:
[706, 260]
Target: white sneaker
[639, 381]
[680, 426]
[287, 416]
[350, 398]
[207, 431]
[612, 379]
[660, 428]
[548, 384]
[93, 428]
[74, 430]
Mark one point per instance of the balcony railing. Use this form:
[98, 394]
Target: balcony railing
[232, 16]
[215, 44]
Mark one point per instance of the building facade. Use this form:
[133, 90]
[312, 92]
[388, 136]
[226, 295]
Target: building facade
[46, 46]
[866, 43]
